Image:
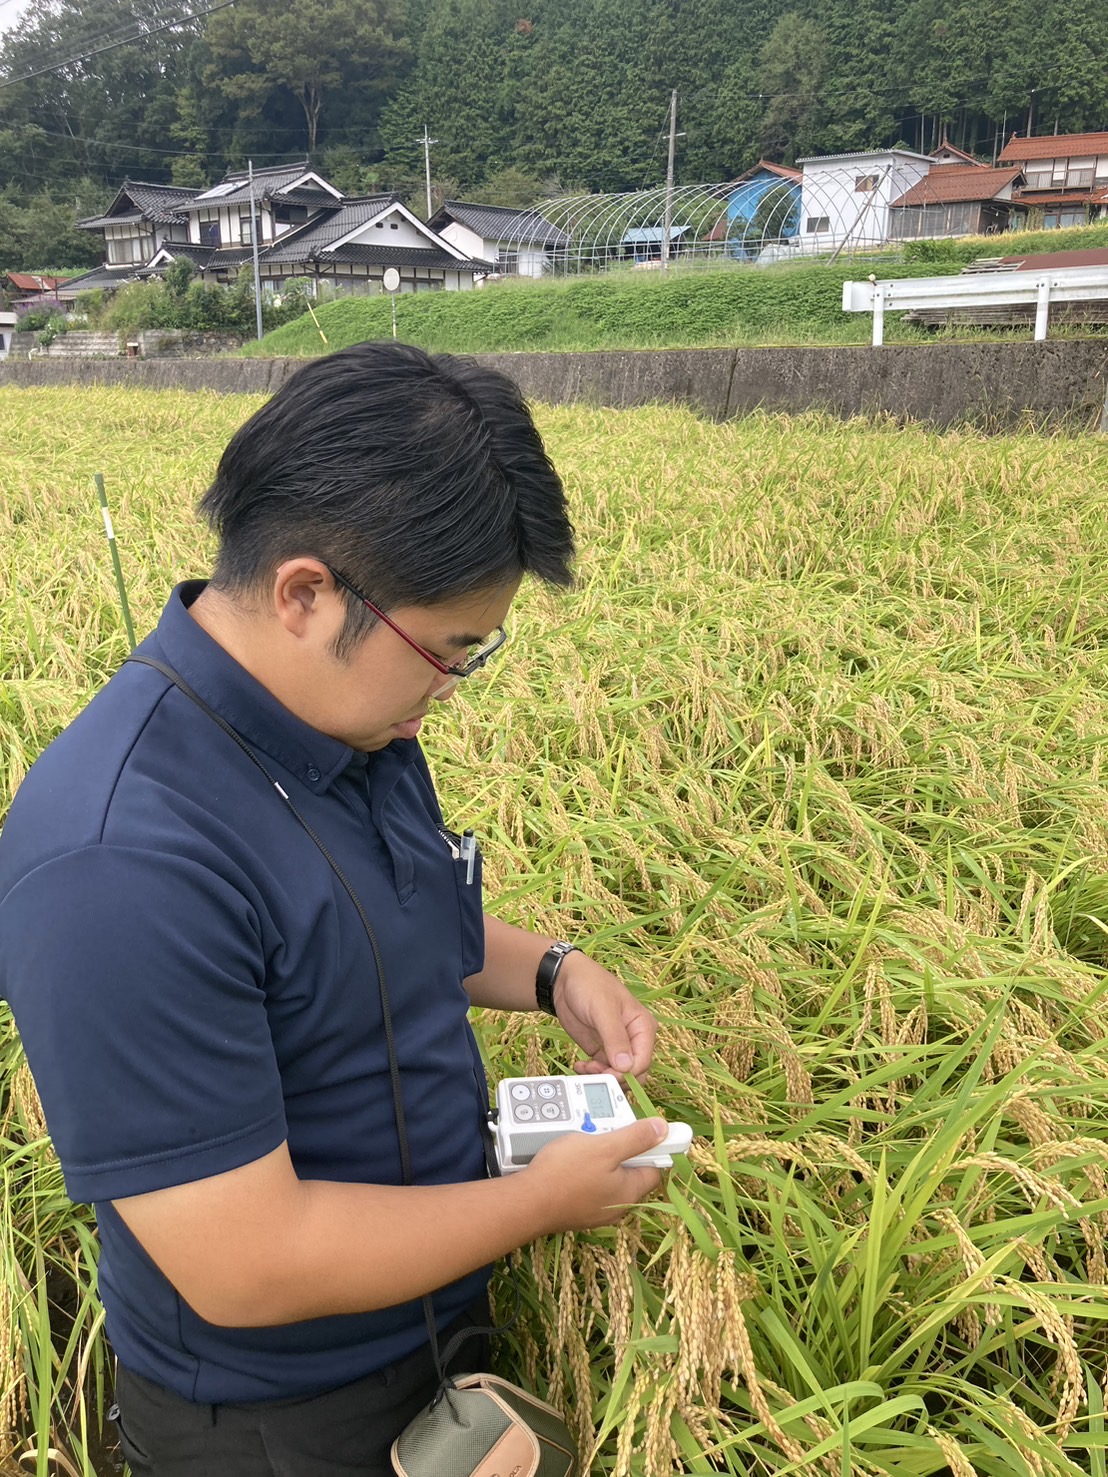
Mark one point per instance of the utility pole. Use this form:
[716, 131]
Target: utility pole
[667, 220]
[1031, 109]
[254, 238]
[427, 142]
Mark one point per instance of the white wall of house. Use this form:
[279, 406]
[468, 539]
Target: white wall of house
[530, 260]
[7, 328]
[847, 196]
[390, 229]
[363, 279]
[234, 223]
[474, 246]
[524, 259]
[1066, 173]
[129, 244]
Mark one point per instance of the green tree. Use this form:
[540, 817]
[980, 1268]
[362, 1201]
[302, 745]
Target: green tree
[178, 275]
[349, 170]
[792, 70]
[511, 186]
[306, 47]
[1072, 72]
[38, 232]
[107, 112]
[458, 89]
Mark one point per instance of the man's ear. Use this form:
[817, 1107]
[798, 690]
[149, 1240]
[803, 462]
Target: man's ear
[305, 597]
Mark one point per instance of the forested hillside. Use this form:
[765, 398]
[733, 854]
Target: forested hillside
[520, 96]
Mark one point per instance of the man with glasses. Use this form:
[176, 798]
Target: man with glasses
[240, 941]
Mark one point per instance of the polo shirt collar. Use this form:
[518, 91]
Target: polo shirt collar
[314, 758]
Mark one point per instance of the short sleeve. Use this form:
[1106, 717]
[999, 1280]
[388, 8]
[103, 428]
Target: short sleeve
[137, 984]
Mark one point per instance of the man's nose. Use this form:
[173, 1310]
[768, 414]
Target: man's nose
[446, 690]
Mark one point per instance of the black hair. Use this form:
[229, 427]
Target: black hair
[421, 478]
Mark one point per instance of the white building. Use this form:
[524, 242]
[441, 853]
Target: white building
[7, 328]
[352, 245]
[305, 228]
[283, 198]
[845, 198]
[517, 243]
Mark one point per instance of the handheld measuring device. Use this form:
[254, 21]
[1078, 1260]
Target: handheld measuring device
[533, 1111]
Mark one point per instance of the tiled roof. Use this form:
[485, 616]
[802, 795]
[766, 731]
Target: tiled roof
[1054, 146]
[946, 147]
[160, 203]
[32, 282]
[98, 222]
[235, 188]
[329, 226]
[304, 195]
[950, 183]
[197, 254]
[228, 256]
[1038, 198]
[99, 277]
[403, 256]
[500, 223]
[1092, 256]
[763, 165]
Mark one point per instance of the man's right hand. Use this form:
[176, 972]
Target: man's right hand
[588, 1185]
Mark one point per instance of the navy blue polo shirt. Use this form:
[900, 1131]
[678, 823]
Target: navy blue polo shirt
[193, 986]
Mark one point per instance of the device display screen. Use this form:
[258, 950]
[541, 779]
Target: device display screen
[598, 1100]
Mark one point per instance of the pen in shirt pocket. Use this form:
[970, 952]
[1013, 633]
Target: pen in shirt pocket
[468, 853]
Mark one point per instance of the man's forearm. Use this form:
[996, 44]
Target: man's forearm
[258, 1246]
[352, 1248]
[512, 957]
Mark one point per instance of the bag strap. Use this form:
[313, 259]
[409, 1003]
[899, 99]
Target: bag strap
[456, 1342]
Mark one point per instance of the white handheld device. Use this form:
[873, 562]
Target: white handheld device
[533, 1111]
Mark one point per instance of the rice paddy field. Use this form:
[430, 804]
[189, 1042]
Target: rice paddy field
[813, 756]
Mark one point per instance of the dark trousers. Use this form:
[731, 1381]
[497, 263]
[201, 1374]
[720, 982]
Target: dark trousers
[346, 1432]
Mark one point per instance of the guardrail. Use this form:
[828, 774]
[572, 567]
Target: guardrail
[1000, 289]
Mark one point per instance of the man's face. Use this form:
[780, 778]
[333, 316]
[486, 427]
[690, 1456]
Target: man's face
[383, 689]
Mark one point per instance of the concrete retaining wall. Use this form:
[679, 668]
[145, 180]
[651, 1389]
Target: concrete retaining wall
[992, 385]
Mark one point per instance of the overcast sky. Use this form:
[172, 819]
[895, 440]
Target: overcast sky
[10, 11]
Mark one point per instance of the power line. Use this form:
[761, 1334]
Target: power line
[115, 147]
[124, 41]
[94, 34]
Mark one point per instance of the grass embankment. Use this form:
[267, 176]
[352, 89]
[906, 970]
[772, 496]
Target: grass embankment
[813, 757]
[795, 303]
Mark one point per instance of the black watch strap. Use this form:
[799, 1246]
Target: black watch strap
[549, 966]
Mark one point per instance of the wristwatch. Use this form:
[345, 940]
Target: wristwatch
[549, 966]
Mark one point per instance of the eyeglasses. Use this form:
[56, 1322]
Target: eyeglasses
[454, 674]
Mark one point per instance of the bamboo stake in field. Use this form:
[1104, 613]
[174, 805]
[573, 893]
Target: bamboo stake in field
[315, 320]
[98, 478]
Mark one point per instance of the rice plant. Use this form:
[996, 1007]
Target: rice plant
[813, 757]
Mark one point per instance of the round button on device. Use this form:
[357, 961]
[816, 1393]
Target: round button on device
[550, 1110]
[524, 1113]
[547, 1089]
[521, 1092]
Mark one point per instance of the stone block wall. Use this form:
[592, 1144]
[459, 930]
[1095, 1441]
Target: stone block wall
[180, 343]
